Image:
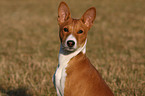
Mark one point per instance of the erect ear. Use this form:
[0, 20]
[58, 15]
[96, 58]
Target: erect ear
[89, 16]
[63, 12]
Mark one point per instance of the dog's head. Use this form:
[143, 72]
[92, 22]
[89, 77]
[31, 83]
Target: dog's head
[73, 32]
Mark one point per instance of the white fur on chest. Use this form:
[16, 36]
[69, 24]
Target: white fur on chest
[60, 74]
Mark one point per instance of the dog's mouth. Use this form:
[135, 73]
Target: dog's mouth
[70, 49]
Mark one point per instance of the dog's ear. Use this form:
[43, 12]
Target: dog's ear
[89, 16]
[63, 12]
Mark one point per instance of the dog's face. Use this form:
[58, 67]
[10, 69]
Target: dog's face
[73, 32]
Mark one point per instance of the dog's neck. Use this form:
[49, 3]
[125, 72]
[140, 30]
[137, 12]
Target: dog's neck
[65, 56]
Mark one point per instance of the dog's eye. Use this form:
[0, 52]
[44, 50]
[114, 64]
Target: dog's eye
[80, 31]
[65, 30]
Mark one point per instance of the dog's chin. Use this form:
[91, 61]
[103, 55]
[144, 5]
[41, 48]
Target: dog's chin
[69, 49]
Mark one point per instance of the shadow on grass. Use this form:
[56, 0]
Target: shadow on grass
[22, 91]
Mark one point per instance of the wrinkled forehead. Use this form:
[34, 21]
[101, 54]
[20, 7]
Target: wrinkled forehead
[73, 24]
[77, 23]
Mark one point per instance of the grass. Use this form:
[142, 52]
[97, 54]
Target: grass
[29, 45]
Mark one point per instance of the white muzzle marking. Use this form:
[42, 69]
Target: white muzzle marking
[72, 38]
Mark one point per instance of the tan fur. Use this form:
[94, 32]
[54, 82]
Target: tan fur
[74, 26]
[82, 78]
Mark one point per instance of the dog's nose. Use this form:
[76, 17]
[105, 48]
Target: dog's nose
[70, 43]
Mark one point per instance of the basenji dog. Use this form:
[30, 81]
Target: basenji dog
[75, 75]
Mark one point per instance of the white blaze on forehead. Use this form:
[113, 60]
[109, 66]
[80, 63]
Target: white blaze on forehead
[71, 37]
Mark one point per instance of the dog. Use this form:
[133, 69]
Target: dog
[75, 75]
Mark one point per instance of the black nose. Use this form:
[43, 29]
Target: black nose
[70, 43]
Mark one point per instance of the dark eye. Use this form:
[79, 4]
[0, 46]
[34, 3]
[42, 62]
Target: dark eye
[80, 31]
[65, 29]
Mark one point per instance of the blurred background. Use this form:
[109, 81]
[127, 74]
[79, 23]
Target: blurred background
[29, 45]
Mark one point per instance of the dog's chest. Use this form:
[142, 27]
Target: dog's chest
[60, 75]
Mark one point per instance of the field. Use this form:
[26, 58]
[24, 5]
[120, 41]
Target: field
[29, 45]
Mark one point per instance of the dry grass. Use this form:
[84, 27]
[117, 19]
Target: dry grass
[29, 45]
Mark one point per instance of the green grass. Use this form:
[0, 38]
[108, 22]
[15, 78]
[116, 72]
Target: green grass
[29, 45]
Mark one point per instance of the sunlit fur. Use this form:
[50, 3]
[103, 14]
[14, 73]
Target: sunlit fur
[75, 75]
